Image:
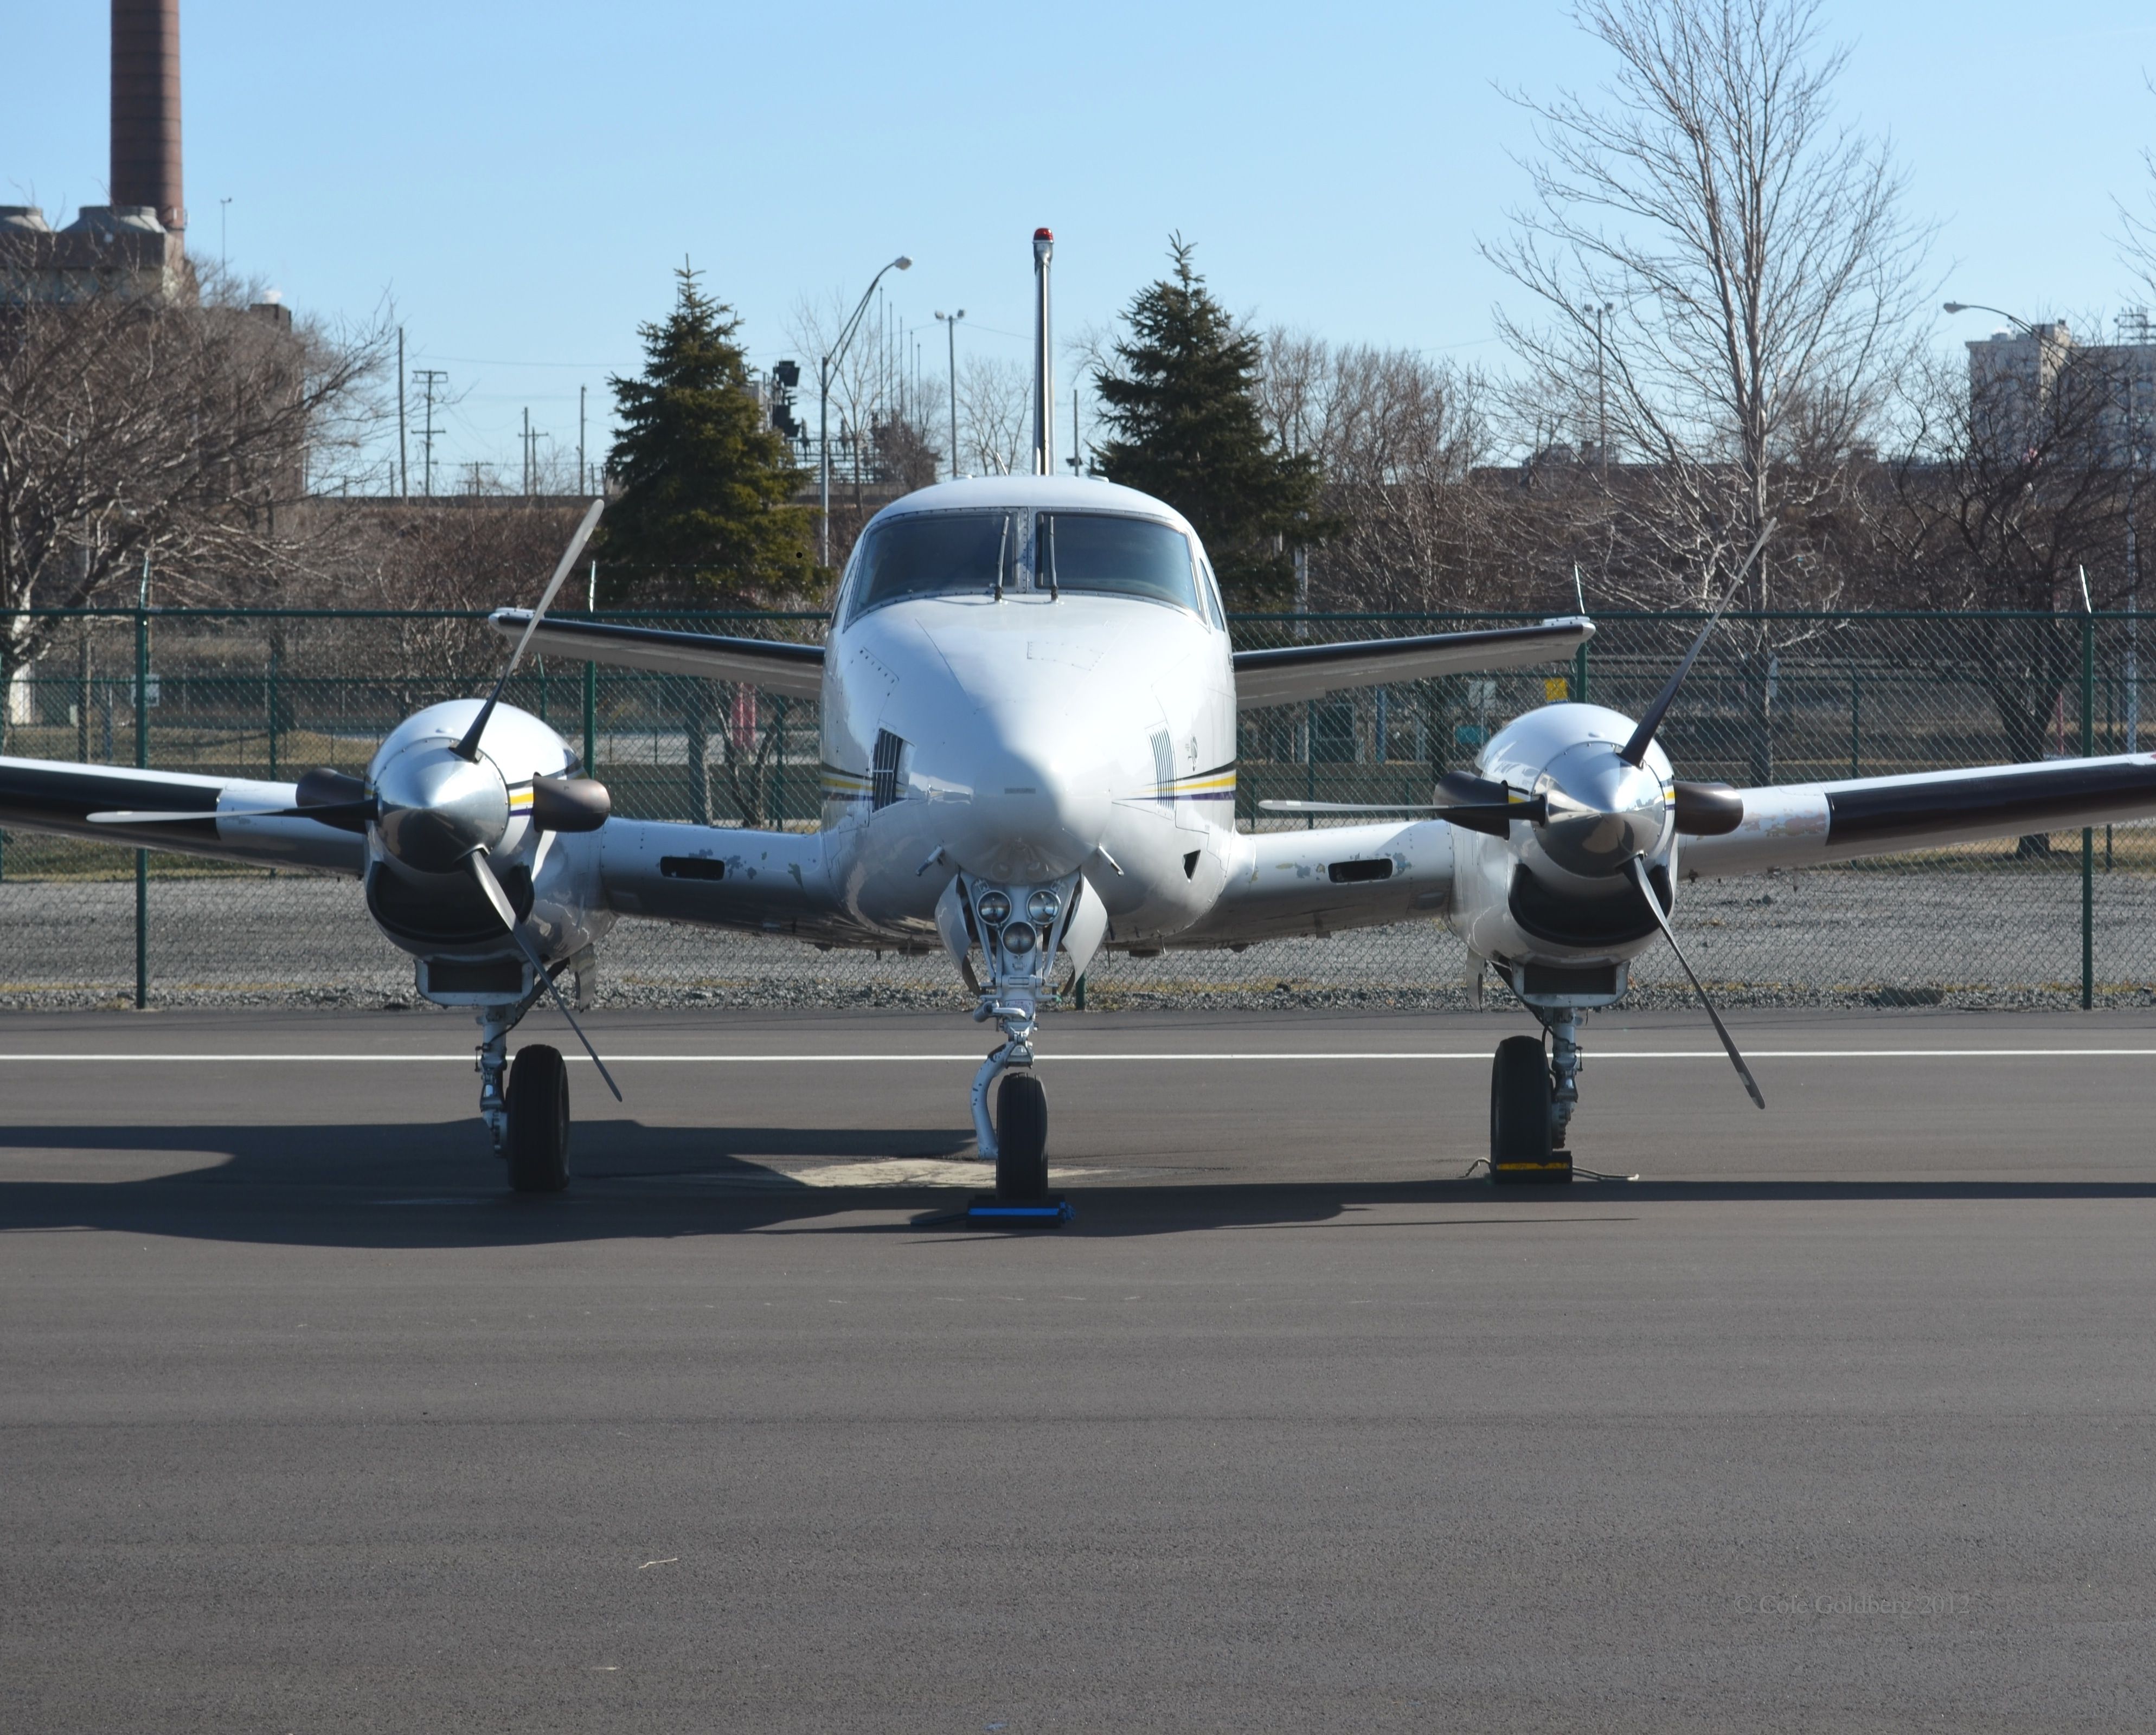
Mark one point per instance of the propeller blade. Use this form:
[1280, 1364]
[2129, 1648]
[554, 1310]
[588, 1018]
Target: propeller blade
[345, 815]
[483, 871]
[1638, 871]
[468, 748]
[1350, 807]
[561, 1006]
[1643, 737]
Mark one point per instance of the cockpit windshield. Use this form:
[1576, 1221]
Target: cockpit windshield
[1105, 552]
[929, 554]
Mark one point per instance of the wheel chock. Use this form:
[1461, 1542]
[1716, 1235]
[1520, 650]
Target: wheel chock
[1043, 1213]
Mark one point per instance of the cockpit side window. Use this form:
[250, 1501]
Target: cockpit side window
[1111, 553]
[932, 554]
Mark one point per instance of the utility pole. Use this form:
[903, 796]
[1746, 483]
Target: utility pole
[428, 378]
[580, 440]
[525, 443]
[1602, 391]
[950, 331]
[1076, 463]
[403, 481]
[223, 205]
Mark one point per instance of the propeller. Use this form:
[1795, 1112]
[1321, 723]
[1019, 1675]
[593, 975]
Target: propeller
[327, 797]
[482, 876]
[1638, 868]
[1635, 750]
[468, 748]
[1479, 804]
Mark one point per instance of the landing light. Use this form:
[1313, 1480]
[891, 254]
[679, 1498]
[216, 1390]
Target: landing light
[1019, 938]
[995, 908]
[1044, 908]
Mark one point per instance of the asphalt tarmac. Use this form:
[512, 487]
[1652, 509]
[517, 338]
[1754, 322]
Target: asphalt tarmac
[1838, 1418]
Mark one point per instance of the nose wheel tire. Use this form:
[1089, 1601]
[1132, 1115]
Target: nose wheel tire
[538, 1104]
[1520, 1117]
[1021, 1139]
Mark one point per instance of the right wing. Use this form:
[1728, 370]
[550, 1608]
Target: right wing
[1290, 672]
[59, 796]
[766, 882]
[772, 663]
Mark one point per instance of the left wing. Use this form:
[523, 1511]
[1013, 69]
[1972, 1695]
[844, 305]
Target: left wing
[58, 796]
[1801, 824]
[1289, 672]
[768, 663]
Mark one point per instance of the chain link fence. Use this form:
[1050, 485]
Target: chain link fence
[2058, 921]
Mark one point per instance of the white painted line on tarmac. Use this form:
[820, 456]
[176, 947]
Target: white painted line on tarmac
[972, 1057]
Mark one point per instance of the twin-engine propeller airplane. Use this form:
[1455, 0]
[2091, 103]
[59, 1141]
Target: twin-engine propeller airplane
[1029, 728]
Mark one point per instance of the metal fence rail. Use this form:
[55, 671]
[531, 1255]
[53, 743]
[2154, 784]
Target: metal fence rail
[1779, 698]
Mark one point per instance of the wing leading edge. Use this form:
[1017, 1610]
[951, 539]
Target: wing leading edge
[1291, 672]
[773, 664]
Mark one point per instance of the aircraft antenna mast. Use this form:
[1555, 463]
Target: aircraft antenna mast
[1043, 363]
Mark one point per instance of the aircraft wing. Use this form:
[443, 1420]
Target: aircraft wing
[1290, 672]
[1801, 824]
[1281, 884]
[59, 796]
[771, 882]
[771, 663]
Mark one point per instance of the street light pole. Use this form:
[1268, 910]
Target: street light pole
[950, 331]
[1602, 390]
[836, 355]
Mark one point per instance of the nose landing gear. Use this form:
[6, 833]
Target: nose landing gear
[1017, 930]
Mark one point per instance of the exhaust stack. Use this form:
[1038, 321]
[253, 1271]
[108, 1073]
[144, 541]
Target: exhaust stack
[145, 108]
[1044, 362]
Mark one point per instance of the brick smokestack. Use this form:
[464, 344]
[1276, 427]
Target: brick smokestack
[145, 108]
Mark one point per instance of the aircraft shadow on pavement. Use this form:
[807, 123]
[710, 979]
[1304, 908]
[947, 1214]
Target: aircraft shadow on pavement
[435, 1184]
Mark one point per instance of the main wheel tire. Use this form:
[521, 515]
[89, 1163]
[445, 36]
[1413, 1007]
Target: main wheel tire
[1021, 1139]
[1520, 1117]
[538, 1102]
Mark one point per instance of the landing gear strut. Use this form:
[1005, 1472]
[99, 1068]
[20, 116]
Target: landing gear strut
[526, 1106]
[1018, 929]
[1534, 1091]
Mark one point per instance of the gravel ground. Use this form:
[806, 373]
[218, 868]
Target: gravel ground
[1995, 936]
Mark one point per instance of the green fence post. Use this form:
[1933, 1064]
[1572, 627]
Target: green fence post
[1579, 674]
[273, 711]
[2088, 833]
[591, 720]
[142, 763]
[1855, 716]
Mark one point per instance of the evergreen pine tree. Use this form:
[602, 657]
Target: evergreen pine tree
[703, 510]
[1183, 402]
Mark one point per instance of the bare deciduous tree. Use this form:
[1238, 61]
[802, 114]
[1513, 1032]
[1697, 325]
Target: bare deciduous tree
[1397, 438]
[180, 433]
[995, 415]
[1758, 276]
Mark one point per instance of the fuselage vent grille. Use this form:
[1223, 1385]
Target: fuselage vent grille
[883, 784]
[1163, 766]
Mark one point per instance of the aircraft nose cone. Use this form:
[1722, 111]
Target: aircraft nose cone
[437, 808]
[1603, 811]
[1035, 812]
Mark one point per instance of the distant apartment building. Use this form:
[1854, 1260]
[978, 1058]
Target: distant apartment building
[2016, 378]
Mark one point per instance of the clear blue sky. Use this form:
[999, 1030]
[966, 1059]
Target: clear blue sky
[520, 179]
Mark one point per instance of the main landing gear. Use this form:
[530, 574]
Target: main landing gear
[526, 1106]
[1534, 1090]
